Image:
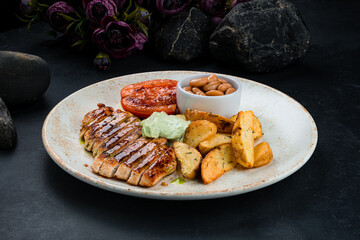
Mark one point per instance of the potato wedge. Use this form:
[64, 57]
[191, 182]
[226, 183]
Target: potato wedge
[189, 159]
[213, 142]
[217, 162]
[257, 129]
[257, 126]
[223, 124]
[243, 139]
[199, 131]
[263, 154]
[182, 116]
[233, 118]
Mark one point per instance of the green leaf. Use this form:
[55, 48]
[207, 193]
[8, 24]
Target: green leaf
[83, 44]
[128, 8]
[79, 42]
[132, 14]
[43, 5]
[22, 19]
[143, 28]
[80, 29]
[69, 26]
[77, 14]
[68, 18]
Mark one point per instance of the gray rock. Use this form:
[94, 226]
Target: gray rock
[7, 128]
[23, 77]
[184, 36]
[261, 35]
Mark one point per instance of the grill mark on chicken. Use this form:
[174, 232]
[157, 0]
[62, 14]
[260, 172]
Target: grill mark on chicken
[112, 149]
[113, 140]
[126, 141]
[112, 132]
[110, 165]
[96, 130]
[144, 164]
[124, 170]
[162, 167]
[94, 117]
[90, 133]
[90, 116]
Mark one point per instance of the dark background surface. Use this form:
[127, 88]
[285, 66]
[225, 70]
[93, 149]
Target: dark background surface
[38, 200]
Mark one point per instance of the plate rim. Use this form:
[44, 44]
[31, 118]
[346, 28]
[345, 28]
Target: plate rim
[180, 196]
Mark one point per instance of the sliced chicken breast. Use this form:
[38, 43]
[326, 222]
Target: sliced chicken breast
[112, 132]
[124, 170]
[144, 164]
[110, 165]
[162, 167]
[126, 141]
[112, 141]
[95, 116]
[96, 131]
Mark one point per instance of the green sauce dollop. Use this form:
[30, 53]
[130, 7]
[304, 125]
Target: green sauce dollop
[163, 125]
[178, 180]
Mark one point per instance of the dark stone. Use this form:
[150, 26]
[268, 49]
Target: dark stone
[7, 128]
[24, 77]
[184, 36]
[261, 35]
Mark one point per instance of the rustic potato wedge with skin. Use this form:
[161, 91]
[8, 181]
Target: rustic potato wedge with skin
[199, 131]
[263, 154]
[224, 125]
[243, 139]
[213, 142]
[189, 159]
[257, 130]
[217, 162]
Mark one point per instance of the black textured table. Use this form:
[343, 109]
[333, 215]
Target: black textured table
[38, 200]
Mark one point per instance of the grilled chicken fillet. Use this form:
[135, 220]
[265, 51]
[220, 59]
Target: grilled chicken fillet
[95, 116]
[126, 141]
[107, 141]
[115, 139]
[144, 164]
[110, 165]
[112, 141]
[162, 167]
[96, 131]
[124, 170]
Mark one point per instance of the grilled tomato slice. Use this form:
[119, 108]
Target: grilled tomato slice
[144, 98]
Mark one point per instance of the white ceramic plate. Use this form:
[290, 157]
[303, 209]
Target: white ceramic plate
[287, 126]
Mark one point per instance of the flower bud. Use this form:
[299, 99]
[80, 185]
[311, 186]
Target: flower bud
[96, 10]
[102, 61]
[56, 21]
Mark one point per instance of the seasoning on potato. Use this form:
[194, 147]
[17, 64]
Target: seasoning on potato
[209, 86]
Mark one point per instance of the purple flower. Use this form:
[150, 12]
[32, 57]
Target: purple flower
[213, 7]
[102, 61]
[56, 21]
[27, 6]
[118, 38]
[118, 3]
[98, 9]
